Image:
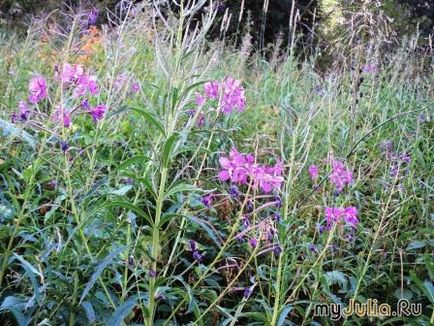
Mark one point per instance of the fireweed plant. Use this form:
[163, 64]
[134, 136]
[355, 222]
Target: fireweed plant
[168, 180]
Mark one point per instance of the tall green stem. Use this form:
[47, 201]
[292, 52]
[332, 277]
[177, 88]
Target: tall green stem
[156, 246]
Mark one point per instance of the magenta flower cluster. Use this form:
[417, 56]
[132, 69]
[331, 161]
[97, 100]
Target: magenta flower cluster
[22, 114]
[313, 172]
[341, 215]
[123, 80]
[241, 169]
[62, 116]
[72, 77]
[37, 93]
[340, 176]
[37, 89]
[229, 93]
[77, 77]
[399, 161]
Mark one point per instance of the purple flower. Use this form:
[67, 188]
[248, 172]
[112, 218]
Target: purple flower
[14, 117]
[313, 172]
[277, 250]
[66, 120]
[248, 292]
[200, 100]
[267, 178]
[195, 253]
[245, 221]
[387, 146]
[98, 112]
[120, 81]
[208, 200]
[350, 216]
[370, 68]
[240, 237]
[201, 120]
[191, 112]
[67, 73]
[70, 74]
[340, 176]
[249, 206]
[212, 90]
[135, 87]
[64, 146]
[253, 242]
[405, 158]
[92, 86]
[192, 245]
[278, 202]
[152, 273]
[313, 248]
[239, 168]
[335, 215]
[233, 191]
[197, 256]
[62, 116]
[37, 89]
[86, 84]
[268, 233]
[85, 104]
[277, 217]
[394, 170]
[92, 16]
[233, 96]
[22, 114]
[53, 184]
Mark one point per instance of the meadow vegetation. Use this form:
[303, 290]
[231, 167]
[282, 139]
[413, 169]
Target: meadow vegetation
[152, 176]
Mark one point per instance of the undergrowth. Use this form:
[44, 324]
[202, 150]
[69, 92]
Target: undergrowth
[149, 176]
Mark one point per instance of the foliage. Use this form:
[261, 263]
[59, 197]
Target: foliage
[150, 176]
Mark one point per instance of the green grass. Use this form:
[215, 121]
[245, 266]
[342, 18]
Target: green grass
[129, 189]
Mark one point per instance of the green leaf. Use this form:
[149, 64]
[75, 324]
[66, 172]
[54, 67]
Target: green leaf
[429, 290]
[417, 244]
[193, 86]
[337, 277]
[193, 149]
[121, 312]
[15, 306]
[150, 119]
[129, 206]
[143, 181]
[168, 149]
[27, 265]
[256, 316]
[406, 294]
[10, 130]
[90, 312]
[426, 286]
[122, 191]
[31, 272]
[139, 159]
[99, 269]
[283, 314]
[59, 199]
[148, 185]
[211, 233]
[180, 187]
